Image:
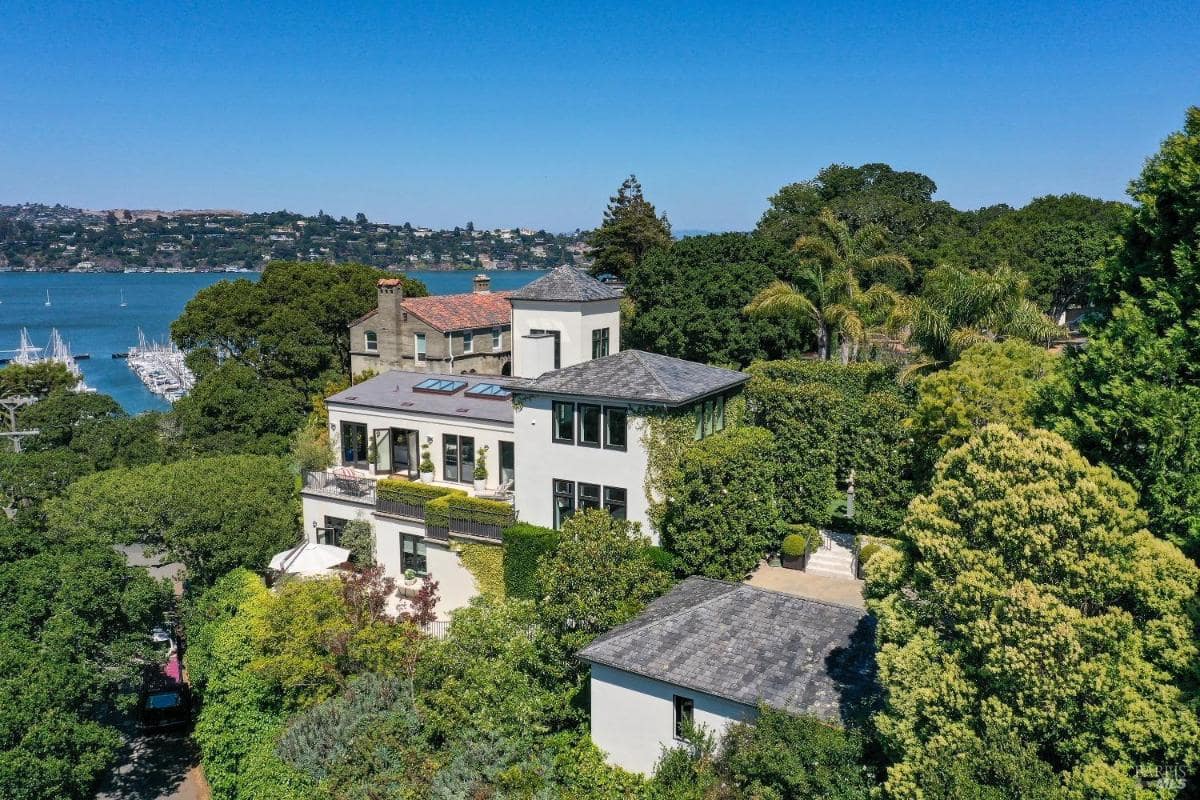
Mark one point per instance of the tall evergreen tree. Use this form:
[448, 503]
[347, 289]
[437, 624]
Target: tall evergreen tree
[631, 229]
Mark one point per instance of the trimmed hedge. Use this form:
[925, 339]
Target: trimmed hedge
[524, 546]
[411, 492]
[438, 510]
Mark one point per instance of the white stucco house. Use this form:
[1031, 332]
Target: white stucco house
[710, 652]
[565, 432]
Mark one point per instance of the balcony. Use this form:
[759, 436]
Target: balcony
[342, 485]
[442, 510]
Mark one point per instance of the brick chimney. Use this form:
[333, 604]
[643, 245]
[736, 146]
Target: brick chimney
[389, 317]
[483, 284]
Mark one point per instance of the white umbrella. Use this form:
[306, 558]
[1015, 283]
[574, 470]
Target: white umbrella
[309, 559]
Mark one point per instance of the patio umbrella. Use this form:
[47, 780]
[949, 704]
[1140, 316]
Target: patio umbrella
[309, 558]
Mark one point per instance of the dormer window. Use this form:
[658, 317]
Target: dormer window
[371, 341]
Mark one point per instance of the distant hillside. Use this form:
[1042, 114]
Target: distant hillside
[37, 237]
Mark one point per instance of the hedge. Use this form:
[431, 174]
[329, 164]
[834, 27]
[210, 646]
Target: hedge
[524, 545]
[411, 492]
[438, 510]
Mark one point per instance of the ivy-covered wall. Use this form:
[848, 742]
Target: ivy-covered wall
[485, 562]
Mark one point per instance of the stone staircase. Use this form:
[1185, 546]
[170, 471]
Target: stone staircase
[835, 557]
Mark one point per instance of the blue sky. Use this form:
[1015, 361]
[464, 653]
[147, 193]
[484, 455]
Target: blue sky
[531, 114]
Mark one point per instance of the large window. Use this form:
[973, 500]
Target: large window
[412, 554]
[599, 342]
[418, 346]
[354, 444]
[685, 709]
[557, 343]
[371, 341]
[458, 458]
[710, 417]
[564, 422]
[564, 501]
[589, 425]
[615, 423]
[614, 502]
[570, 497]
[589, 496]
[468, 342]
[332, 532]
[508, 463]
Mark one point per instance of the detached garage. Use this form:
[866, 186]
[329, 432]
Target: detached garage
[710, 652]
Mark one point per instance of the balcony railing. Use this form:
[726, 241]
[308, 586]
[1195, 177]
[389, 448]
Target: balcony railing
[360, 490]
[459, 521]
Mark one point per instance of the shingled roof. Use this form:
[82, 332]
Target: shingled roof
[566, 284]
[749, 645]
[639, 376]
[456, 312]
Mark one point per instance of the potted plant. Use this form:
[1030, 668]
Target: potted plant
[481, 472]
[794, 551]
[426, 465]
[373, 455]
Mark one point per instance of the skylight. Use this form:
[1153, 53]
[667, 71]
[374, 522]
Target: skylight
[489, 390]
[439, 386]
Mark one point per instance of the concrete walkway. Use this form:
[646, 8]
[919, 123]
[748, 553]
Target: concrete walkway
[164, 767]
[843, 591]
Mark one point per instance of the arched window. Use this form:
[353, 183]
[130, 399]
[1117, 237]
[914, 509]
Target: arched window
[372, 342]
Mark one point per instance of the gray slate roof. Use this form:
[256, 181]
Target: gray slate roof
[393, 391]
[566, 284]
[636, 375]
[750, 645]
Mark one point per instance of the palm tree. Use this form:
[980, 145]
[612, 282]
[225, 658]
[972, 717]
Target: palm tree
[960, 307]
[828, 299]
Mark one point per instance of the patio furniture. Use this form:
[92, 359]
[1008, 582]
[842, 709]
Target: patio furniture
[348, 482]
[502, 492]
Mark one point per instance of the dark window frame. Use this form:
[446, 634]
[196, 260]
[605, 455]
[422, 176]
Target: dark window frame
[554, 437]
[468, 342]
[418, 541]
[684, 710]
[608, 445]
[459, 462]
[594, 500]
[331, 533]
[600, 342]
[608, 503]
[556, 495]
[580, 411]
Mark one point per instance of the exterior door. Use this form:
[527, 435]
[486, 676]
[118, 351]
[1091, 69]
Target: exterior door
[383, 449]
[508, 463]
[406, 456]
[354, 445]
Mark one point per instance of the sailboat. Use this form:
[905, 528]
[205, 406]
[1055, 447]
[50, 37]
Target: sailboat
[47, 298]
[123, 303]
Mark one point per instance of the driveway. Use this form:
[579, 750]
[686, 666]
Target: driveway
[163, 767]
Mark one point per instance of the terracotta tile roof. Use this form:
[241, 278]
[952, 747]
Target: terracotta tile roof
[456, 312]
[390, 282]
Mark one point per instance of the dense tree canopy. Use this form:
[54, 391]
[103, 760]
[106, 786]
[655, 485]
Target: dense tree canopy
[1030, 603]
[631, 229]
[688, 301]
[261, 349]
[210, 514]
[1131, 398]
[36, 380]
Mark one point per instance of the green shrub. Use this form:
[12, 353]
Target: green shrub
[359, 538]
[457, 504]
[411, 492]
[794, 545]
[661, 558]
[724, 512]
[524, 545]
[864, 555]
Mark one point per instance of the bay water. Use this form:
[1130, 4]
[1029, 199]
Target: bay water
[86, 308]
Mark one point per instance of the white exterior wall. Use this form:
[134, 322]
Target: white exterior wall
[427, 425]
[576, 321]
[633, 717]
[540, 460]
[456, 585]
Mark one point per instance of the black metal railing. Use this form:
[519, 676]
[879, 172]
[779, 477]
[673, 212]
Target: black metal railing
[329, 483]
[400, 508]
[491, 527]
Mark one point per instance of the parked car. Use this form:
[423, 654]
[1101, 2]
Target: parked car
[165, 702]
